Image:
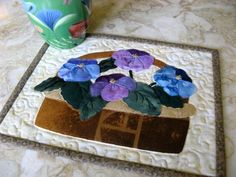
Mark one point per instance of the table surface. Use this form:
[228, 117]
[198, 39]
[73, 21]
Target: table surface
[210, 24]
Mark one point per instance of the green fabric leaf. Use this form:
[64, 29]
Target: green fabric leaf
[143, 99]
[75, 92]
[50, 84]
[107, 64]
[91, 107]
[167, 100]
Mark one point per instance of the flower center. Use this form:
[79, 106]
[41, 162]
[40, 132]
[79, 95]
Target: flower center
[81, 65]
[135, 55]
[112, 81]
[178, 77]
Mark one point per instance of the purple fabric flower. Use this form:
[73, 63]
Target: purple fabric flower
[78, 70]
[112, 87]
[133, 59]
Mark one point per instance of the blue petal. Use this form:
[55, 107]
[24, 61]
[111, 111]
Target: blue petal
[49, 17]
[183, 75]
[72, 73]
[162, 81]
[65, 69]
[78, 61]
[168, 71]
[186, 89]
[164, 75]
[79, 75]
[172, 91]
[172, 87]
[93, 70]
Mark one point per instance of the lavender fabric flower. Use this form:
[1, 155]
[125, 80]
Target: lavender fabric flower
[112, 87]
[133, 59]
[175, 82]
[78, 70]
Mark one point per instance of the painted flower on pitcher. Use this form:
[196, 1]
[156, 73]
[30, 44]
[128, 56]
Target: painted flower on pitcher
[112, 87]
[78, 70]
[175, 82]
[78, 29]
[49, 17]
[132, 59]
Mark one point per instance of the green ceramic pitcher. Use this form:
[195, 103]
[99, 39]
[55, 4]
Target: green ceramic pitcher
[62, 23]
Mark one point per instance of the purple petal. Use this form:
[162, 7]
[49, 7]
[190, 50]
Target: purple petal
[146, 60]
[127, 82]
[114, 92]
[141, 63]
[96, 88]
[124, 63]
[121, 54]
[107, 78]
[133, 59]
[137, 52]
[122, 59]
[103, 79]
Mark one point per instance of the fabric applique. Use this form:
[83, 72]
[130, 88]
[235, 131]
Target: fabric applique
[83, 85]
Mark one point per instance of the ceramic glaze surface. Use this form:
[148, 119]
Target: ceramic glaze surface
[61, 23]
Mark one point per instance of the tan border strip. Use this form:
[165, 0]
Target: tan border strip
[126, 166]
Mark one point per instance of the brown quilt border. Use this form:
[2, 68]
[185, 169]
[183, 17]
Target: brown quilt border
[112, 163]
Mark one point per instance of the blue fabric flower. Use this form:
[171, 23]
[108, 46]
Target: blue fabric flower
[78, 70]
[175, 82]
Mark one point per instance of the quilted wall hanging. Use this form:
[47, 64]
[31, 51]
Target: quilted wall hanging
[128, 99]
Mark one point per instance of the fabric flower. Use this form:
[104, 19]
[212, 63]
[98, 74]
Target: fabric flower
[175, 82]
[78, 70]
[112, 87]
[133, 59]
